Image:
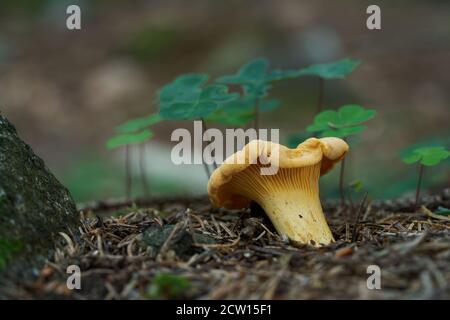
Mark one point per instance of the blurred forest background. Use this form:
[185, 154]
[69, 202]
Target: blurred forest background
[66, 90]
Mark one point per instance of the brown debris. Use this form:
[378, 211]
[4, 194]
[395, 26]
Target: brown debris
[247, 259]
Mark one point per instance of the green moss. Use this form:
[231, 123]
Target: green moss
[34, 206]
[167, 286]
[7, 249]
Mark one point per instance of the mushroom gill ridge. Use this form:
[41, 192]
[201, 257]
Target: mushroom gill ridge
[290, 199]
[251, 184]
[290, 194]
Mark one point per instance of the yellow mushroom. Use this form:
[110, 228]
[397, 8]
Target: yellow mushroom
[289, 196]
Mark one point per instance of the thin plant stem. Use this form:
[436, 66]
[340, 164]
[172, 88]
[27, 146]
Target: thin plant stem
[419, 182]
[127, 172]
[357, 218]
[321, 94]
[205, 128]
[256, 112]
[205, 165]
[341, 182]
[142, 169]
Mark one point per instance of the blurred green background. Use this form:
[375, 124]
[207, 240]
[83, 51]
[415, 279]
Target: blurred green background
[65, 90]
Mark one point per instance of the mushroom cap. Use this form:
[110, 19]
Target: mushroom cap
[328, 151]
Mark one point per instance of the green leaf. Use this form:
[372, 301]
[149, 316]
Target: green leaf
[356, 185]
[255, 77]
[251, 72]
[128, 138]
[343, 132]
[412, 158]
[255, 70]
[188, 111]
[442, 211]
[428, 156]
[137, 124]
[257, 89]
[277, 75]
[326, 117]
[355, 114]
[231, 117]
[218, 93]
[433, 155]
[187, 97]
[241, 111]
[185, 88]
[342, 123]
[334, 70]
[192, 80]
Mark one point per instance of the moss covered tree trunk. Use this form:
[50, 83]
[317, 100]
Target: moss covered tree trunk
[34, 207]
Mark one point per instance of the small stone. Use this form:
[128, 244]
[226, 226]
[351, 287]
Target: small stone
[182, 244]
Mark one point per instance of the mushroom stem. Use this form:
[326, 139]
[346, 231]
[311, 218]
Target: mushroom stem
[290, 199]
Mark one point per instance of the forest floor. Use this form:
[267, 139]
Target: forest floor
[184, 248]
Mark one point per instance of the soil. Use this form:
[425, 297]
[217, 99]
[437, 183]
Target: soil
[126, 252]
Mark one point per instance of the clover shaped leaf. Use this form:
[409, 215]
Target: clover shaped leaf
[185, 88]
[342, 123]
[427, 156]
[334, 70]
[252, 72]
[137, 124]
[124, 139]
[187, 97]
[255, 77]
[240, 111]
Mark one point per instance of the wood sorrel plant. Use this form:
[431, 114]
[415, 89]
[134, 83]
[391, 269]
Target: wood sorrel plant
[255, 79]
[343, 123]
[188, 97]
[333, 70]
[425, 157]
[134, 131]
[240, 112]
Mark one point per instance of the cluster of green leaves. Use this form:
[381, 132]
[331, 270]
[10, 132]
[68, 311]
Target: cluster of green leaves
[133, 131]
[241, 111]
[167, 286]
[342, 123]
[255, 80]
[334, 70]
[427, 156]
[189, 97]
